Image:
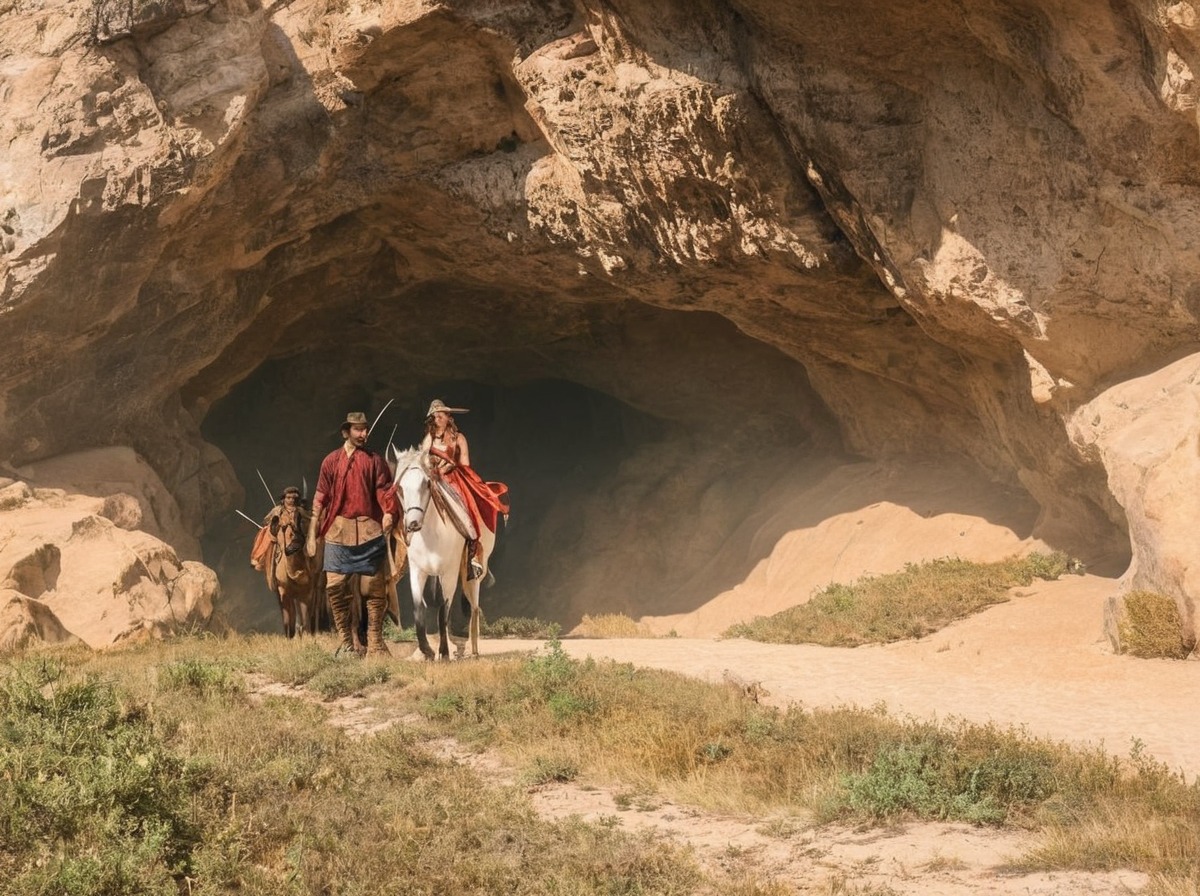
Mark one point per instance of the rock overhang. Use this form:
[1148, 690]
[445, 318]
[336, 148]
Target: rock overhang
[310, 183]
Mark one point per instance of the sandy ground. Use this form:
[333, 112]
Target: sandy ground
[1039, 661]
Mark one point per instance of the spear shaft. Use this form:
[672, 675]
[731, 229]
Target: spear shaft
[270, 494]
[385, 407]
[247, 519]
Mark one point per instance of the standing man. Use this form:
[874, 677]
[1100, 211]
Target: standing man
[353, 510]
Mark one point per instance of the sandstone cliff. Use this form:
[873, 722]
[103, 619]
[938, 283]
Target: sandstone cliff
[671, 252]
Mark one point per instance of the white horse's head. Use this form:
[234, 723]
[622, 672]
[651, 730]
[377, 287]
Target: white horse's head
[412, 487]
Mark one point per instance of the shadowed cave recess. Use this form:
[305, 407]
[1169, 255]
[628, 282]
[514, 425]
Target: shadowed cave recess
[620, 502]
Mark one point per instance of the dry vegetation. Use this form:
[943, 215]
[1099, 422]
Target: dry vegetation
[1151, 627]
[917, 601]
[157, 769]
[610, 625]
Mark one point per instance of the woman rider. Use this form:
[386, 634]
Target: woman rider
[452, 462]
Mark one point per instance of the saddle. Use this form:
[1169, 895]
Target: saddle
[450, 505]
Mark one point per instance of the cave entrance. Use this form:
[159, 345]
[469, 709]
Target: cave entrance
[625, 478]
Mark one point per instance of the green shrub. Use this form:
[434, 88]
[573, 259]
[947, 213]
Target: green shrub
[977, 774]
[87, 779]
[544, 770]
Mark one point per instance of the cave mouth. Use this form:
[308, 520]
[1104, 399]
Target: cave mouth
[550, 441]
[623, 469]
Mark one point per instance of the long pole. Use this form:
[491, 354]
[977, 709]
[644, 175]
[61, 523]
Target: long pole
[247, 519]
[270, 494]
[380, 414]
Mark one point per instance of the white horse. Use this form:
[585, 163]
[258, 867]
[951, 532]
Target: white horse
[435, 550]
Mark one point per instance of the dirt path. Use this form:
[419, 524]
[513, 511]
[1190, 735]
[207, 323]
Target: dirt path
[1039, 661]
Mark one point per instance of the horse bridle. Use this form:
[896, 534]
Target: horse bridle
[404, 510]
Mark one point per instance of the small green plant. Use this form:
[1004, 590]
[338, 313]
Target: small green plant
[1151, 627]
[715, 752]
[348, 675]
[202, 676]
[552, 670]
[566, 707]
[445, 706]
[398, 635]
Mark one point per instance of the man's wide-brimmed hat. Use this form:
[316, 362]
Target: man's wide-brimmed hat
[355, 418]
[290, 490]
[438, 405]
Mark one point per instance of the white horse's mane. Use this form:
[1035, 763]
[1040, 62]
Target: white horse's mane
[406, 459]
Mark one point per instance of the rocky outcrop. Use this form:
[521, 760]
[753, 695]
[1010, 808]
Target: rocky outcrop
[68, 572]
[790, 232]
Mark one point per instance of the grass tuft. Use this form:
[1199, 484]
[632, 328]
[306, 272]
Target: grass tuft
[1151, 627]
[610, 625]
[519, 627]
[912, 603]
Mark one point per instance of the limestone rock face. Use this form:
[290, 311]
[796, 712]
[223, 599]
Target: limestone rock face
[759, 230]
[69, 573]
[25, 622]
[1145, 433]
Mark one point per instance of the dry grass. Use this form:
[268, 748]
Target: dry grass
[912, 603]
[220, 789]
[610, 625]
[155, 770]
[1151, 627]
[690, 742]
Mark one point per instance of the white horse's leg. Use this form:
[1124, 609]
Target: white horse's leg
[471, 589]
[447, 581]
[417, 579]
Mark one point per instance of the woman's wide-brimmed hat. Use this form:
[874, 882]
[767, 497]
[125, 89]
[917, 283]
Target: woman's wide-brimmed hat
[438, 405]
[355, 418]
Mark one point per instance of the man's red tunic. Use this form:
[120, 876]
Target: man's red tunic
[355, 485]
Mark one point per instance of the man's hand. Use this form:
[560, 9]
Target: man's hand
[388, 522]
[310, 545]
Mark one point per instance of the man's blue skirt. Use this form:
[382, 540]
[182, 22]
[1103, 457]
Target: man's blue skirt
[362, 558]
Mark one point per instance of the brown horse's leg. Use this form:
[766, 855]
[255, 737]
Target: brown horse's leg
[287, 609]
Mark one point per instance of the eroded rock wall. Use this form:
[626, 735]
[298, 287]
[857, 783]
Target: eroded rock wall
[961, 222]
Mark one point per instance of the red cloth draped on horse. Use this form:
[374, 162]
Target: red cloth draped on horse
[485, 501]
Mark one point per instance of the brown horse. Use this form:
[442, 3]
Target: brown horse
[291, 575]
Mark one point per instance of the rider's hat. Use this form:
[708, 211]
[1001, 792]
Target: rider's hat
[438, 405]
[355, 418]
